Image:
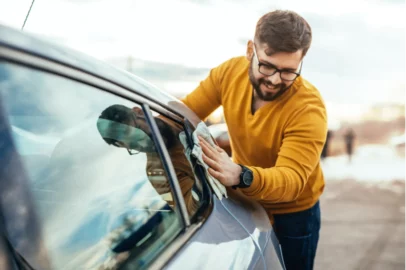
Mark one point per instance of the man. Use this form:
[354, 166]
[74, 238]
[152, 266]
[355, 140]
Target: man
[349, 138]
[277, 124]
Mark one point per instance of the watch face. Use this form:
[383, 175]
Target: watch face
[247, 177]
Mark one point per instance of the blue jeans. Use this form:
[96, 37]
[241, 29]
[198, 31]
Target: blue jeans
[298, 234]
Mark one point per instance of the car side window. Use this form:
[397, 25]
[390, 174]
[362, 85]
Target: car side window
[175, 139]
[93, 168]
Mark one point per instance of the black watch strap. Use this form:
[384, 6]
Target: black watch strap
[246, 178]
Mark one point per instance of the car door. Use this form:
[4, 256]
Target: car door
[224, 243]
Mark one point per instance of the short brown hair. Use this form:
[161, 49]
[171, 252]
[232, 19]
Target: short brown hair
[284, 31]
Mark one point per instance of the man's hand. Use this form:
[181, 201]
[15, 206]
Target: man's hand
[221, 166]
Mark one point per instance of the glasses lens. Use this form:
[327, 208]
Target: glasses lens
[288, 76]
[132, 151]
[267, 70]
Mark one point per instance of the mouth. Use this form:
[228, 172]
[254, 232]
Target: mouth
[269, 87]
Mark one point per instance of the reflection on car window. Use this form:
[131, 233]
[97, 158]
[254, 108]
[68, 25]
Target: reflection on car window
[175, 140]
[96, 195]
[127, 128]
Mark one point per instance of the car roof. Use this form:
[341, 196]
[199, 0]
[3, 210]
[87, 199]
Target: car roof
[29, 43]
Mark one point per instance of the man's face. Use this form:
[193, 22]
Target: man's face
[268, 88]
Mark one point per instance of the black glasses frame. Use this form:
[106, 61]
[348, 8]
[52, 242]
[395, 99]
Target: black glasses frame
[276, 69]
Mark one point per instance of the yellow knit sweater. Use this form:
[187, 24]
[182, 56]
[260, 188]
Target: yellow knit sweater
[281, 143]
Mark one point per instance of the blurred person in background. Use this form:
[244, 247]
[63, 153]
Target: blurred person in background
[349, 137]
[277, 125]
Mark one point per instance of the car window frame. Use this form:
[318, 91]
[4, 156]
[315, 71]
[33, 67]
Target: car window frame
[167, 164]
[40, 63]
[11, 259]
[204, 209]
[199, 170]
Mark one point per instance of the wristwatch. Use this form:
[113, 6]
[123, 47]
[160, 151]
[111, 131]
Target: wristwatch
[246, 178]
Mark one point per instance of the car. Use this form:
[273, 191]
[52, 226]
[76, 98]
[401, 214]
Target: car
[81, 190]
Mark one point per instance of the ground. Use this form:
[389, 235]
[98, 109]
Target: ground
[363, 226]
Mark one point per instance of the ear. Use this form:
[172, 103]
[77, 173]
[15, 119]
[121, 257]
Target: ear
[137, 110]
[250, 51]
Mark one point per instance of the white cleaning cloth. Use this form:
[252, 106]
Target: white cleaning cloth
[197, 152]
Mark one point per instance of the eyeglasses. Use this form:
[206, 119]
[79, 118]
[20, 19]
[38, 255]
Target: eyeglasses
[269, 70]
[123, 145]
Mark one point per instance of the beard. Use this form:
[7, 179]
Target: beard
[266, 96]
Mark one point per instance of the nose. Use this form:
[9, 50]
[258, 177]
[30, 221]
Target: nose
[275, 79]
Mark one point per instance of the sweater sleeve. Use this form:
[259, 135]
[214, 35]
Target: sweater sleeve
[207, 96]
[303, 141]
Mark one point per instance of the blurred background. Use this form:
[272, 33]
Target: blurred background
[357, 61]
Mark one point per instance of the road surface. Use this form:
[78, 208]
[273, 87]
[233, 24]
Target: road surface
[363, 226]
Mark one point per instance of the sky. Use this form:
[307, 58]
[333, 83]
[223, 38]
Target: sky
[357, 56]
